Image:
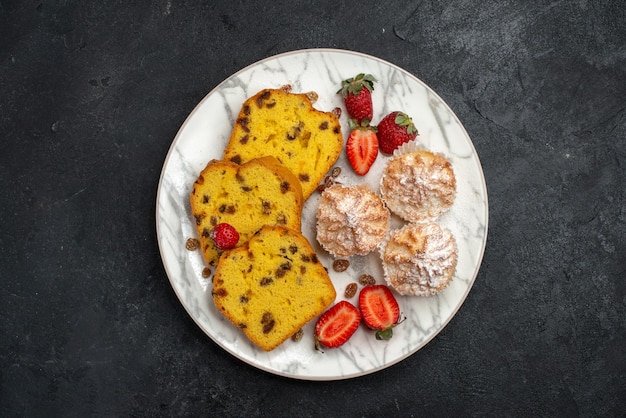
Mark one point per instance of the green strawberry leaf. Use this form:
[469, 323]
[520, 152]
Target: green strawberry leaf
[402, 119]
[354, 85]
[365, 125]
[384, 334]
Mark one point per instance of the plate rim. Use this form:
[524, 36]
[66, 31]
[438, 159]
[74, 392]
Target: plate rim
[480, 254]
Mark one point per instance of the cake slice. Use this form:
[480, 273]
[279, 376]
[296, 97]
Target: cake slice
[272, 286]
[248, 196]
[286, 125]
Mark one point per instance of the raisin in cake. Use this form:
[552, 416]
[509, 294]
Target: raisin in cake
[272, 286]
[287, 126]
[248, 196]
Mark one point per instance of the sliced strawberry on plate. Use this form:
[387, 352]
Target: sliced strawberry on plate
[362, 148]
[380, 310]
[394, 130]
[335, 326]
[357, 96]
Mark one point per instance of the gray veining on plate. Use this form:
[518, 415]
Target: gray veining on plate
[203, 137]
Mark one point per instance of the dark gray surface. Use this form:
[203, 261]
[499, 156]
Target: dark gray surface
[91, 97]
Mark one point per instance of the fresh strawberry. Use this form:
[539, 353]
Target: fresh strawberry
[380, 310]
[394, 130]
[357, 96]
[225, 236]
[362, 148]
[336, 325]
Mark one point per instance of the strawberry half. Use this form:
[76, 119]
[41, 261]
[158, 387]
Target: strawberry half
[380, 310]
[394, 130]
[357, 96]
[362, 148]
[335, 326]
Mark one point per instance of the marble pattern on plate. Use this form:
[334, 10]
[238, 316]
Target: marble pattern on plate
[203, 136]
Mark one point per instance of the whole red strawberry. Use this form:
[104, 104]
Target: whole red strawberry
[225, 236]
[394, 130]
[380, 310]
[357, 96]
[362, 148]
[335, 326]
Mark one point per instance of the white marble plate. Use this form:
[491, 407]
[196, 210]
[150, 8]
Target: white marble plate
[203, 136]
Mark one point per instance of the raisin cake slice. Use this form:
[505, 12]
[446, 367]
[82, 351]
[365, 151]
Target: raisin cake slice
[248, 196]
[272, 286]
[286, 125]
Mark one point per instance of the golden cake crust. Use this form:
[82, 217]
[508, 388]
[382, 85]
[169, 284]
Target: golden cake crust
[351, 220]
[272, 286]
[248, 196]
[419, 259]
[418, 186]
[287, 126]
